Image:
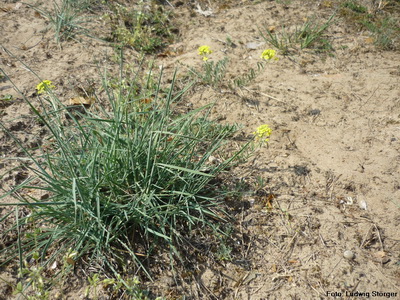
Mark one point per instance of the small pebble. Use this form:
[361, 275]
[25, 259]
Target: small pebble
[349, 200]
[348, 255]
[251, 201]
[314, 112]
[363, 204]
[213, 160]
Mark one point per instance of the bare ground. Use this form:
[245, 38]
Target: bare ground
[330, 175]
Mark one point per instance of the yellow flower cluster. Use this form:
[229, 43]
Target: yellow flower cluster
[44, 86]
[262, 133]
[269, 54]
[204, 51]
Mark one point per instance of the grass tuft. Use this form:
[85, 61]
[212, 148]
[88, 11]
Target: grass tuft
[309, 35]
[65, 19]
[120, 183]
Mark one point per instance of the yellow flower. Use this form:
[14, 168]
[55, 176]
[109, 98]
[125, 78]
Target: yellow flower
[262, 133]
[204, 51]
[44, 86]
[269, 54]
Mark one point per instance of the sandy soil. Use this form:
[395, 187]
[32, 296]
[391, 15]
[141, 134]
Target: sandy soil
[330, 174]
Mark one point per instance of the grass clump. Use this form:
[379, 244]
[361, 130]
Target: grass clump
[120, 183]
[309, 35]
[65, 19]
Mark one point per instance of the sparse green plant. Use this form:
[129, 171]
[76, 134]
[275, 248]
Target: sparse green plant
[354, 6]
[144, 28]
[229, 42]
[35, 277]
[81, 5]
[224, 252]
[132, 289]
[309, 35]
[32, 274]
[34, 281]
[245, 79]
[213, 73]
[37, 284]
[260, 182]
[354, 12]
[224, 247]
[385, 32]
[241, 81]
[284, 2]
[94, 282]
[384, 26]
[6, 97]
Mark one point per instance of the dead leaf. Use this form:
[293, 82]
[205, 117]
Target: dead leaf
[269, 202]
[70, 261]
[38, 15]
[369, 40]
[293, 261]
[379, 254]
[381, 257]
[87, 101]
[206, 13]
[54, 265]
[274, 268]
[6, 8]
[146, 101]
[327, 4]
